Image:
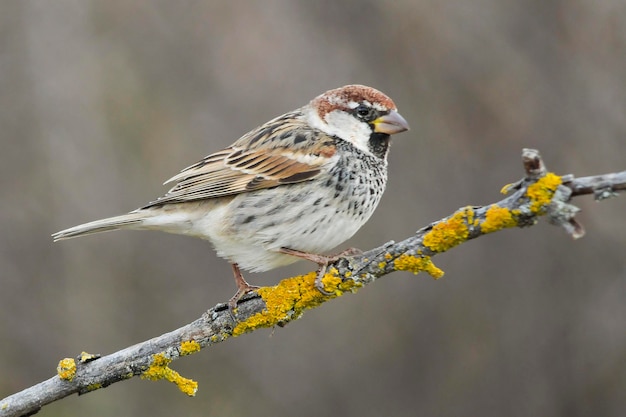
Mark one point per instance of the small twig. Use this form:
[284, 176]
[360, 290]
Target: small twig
[601, 186]
[539, 193]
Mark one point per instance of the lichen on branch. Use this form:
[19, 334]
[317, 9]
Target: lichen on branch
[540, 193]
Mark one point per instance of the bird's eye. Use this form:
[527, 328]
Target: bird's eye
[363, 111]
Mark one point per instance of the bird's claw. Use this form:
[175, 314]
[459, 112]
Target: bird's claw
[319, 284]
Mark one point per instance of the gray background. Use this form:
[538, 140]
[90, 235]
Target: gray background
[102, 100]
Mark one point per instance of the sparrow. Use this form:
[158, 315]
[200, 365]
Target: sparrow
[293, 188]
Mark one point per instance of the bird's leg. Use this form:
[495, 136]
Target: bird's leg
[242, 288]
[322, 261]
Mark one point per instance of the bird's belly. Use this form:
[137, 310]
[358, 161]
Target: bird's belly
[256, 225]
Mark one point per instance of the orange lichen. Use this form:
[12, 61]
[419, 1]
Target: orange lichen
[497, 218]
[292, 296]
[66, 369]
[541, 192]
[451, 232]
[159, 369]
[88, 357]
[469, 215]
[417, 264]
[188, 347]
[507, 188]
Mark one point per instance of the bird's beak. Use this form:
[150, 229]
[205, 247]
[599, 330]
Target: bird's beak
[390, 123]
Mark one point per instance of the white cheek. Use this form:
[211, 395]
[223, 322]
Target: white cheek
[345, 126]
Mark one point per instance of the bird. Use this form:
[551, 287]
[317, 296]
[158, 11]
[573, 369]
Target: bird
[291, 189]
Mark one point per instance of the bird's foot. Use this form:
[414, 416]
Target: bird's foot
[242, 289]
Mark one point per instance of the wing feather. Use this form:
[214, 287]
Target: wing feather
[263, 158]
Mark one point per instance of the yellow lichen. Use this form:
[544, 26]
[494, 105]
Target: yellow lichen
[469, 215]
[417, 264]
[449, 233]
[292, 296]
[66, 369]
[382, 265]
[93, 387]
[497, 218]
[87, 357]
[508, 187]
[541, 192]
[159, 369]
[188, 347]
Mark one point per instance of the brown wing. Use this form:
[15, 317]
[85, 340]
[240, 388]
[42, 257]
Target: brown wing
[283, 151]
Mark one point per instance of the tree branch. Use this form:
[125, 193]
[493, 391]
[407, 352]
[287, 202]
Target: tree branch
[540, 193]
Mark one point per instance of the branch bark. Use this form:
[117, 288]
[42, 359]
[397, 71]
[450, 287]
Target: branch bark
[539, 193]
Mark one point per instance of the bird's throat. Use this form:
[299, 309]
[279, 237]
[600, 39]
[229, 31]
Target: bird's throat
[378, 144]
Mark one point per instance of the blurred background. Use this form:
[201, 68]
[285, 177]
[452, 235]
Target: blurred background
[102, 100]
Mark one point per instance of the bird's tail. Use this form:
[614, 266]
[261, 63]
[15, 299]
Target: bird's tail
[132, 220]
